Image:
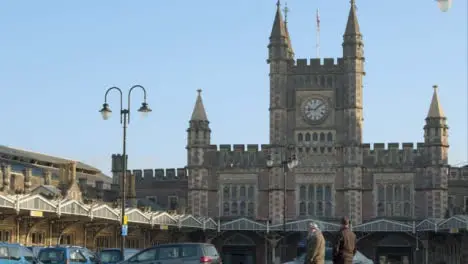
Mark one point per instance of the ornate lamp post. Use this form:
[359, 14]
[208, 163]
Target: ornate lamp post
[288, 161]
[124, 120]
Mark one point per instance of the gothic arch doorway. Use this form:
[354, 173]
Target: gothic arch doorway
[395, 248]
[238, 249]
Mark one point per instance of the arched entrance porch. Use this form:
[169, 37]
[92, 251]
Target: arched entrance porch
[238, 249]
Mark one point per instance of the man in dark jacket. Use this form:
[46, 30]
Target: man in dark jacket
[345, 244]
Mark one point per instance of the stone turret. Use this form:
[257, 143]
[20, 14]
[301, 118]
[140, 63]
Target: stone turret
[198, 140]
[350, 138]
[436, 169]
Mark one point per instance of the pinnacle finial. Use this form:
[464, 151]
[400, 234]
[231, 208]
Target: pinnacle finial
[286, 11]
[199, 91]
[353, 2]
[435, 87]
[278, 4]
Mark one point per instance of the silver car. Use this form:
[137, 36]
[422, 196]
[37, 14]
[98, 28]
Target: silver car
[359, 258]
[180, 253]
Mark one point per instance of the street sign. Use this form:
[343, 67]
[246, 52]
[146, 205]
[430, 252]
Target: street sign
[125, 220]
[124, 230]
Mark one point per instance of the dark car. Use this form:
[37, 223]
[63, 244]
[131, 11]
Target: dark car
[183, 253]
[67, 255]
[114, 255]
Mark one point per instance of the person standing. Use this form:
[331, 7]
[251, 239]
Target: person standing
[345, 244]
[315, 248]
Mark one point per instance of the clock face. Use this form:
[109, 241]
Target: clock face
[315, 109]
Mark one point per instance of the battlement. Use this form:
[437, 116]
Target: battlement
[392, 153]
[172, 174]
[240, 148]
[317, 65]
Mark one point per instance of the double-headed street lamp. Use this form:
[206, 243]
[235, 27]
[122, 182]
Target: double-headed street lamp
[288, 161]
[124, 120]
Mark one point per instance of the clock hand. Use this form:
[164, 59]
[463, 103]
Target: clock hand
[317, 107]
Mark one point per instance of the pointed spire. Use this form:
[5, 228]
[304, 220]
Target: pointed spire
[435, 110]
[279, 28]
[199, 113]
[352, 26]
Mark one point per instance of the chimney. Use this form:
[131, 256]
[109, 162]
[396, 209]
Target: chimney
[72, 174]
[27, 172]
[6, 177]
[47, 177]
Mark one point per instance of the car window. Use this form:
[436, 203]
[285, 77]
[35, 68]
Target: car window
[14, 253]
[147, 255]
[210, 250]
[89, 254]
[168, 253]
[190, 251]
[51, 255]
[110, 256]
[77, 256]
[28, 255]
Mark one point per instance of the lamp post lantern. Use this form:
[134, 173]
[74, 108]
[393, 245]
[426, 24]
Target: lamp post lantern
[124, 120]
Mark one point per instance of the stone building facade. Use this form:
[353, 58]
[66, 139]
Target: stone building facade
[316, 117]
[315, 106]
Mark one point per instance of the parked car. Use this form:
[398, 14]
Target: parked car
[67, 255]
[183, 253]
[16, 254]
[359, 258]
[114, 255]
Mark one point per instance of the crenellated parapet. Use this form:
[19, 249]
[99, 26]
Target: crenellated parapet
[313, 66]
[237, 156]
[154, 175]
[381, 154]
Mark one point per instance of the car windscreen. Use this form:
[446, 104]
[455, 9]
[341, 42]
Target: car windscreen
[52, 256]
[110, 256]
[11, 253]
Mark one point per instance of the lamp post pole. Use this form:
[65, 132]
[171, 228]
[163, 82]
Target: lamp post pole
[124, 120]
[288, 161]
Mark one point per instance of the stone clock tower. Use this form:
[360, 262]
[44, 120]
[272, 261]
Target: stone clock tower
[317, 105]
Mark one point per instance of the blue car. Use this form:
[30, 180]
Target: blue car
[66, 255]
[16, 254]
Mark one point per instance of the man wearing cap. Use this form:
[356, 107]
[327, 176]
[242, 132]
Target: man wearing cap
[345, 244]
[315, 253]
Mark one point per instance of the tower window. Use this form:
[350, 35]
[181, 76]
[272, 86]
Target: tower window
[300, 137]
[329, 137]
[314, 137]
[322, 137]
[307, 137]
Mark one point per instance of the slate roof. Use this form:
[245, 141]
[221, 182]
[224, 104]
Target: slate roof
[42, 157]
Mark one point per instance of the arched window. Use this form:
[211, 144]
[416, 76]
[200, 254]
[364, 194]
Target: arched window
[314, 137]
[322, 137]
[250, 192]
[302, 209]
[307, 137]
[329, 137]
[302, 193]
[251, 209]
[242, 209]
[242, 192]
[300, 137]
[226, 193]
[234, 209]
[226, 210]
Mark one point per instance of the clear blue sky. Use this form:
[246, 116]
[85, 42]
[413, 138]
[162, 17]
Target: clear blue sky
[57, 58]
